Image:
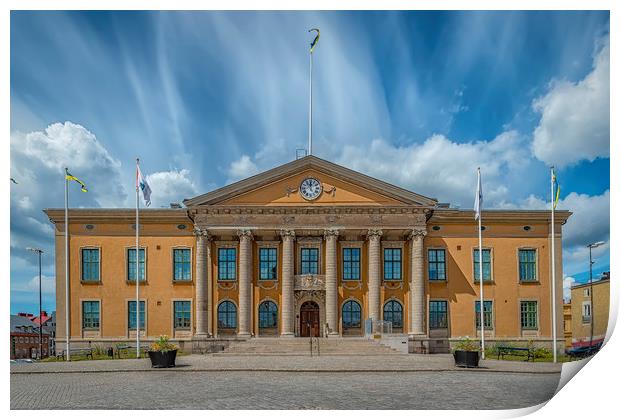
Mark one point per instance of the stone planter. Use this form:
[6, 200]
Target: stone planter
[466, 358]
[161, 359]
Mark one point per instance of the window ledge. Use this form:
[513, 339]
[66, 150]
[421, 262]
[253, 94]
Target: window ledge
[524, 282]
[268, 280]
[226, 281]
[93, 282]
[182, 282]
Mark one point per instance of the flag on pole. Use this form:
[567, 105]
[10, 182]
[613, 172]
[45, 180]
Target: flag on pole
[316, 39]
[557, 189]
[478, 202]
[70, 177]
[143, 185]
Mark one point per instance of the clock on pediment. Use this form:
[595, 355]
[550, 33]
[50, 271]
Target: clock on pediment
[310, 188]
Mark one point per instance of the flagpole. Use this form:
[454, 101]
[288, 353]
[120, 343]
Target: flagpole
[310, 111]
[480, 259]
[553, 308]
[137, 262]
[67, 295]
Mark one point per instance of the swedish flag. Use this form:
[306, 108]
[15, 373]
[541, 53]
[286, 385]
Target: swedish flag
[70, 177]
[316, 39]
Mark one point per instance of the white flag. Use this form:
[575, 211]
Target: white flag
[478, 202]
[144, 186]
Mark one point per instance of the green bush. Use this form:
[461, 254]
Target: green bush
[467, 344]
[542, 353]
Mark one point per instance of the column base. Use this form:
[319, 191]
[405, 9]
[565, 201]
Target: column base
[333, 334]
[201, 336]
[287, 335]
[244, 335]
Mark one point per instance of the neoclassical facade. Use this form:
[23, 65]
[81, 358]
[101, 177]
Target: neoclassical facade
[309, 248]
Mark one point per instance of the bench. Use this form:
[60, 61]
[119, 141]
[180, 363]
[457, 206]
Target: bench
[86, 351]
[128, 348]
[504, 350]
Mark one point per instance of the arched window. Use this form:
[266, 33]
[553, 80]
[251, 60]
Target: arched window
[351, 314]
[227, 315]
[393, 312]
[267, 314]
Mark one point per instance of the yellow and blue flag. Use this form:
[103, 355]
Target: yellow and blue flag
[316, 39]
[70, 177]
[557, 189]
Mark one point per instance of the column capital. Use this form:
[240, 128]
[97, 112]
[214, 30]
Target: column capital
[374, 233]
[199, 232]
[287, 233]
[245, 233]
[331, 233]
[416, 233]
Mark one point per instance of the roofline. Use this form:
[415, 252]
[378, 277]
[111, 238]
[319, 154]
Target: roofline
[457, 215]
[57, 215]
[274, 174]
[594, 281]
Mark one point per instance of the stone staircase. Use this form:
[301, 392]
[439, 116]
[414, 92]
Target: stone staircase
[333, 346]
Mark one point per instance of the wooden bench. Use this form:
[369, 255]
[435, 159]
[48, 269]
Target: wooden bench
[127, 347]
[87, 351]
[504, 350]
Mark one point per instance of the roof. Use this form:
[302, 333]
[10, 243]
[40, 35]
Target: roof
[315, 163]
[18, 322]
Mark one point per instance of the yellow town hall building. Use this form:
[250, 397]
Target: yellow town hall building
[309, 248]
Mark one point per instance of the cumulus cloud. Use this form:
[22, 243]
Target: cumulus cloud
[171, 187]
[567, 283]
[429, 168]
[48, 285]
[241, 168]
[574, 123]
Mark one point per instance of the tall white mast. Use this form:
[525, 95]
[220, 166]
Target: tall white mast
[67, 294]
[138, 261]
[553, 308]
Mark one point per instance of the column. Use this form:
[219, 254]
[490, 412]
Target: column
[374, 274]
[245, 281]
[331, 281]
[203, 242]
[288, 270]
[417, 296]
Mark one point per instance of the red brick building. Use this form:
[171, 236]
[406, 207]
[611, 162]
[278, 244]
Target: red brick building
[24, 339]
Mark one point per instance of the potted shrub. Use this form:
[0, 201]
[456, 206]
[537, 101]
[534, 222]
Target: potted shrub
[162, 353]
[466, 353]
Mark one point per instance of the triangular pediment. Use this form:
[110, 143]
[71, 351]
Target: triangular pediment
[340, 187]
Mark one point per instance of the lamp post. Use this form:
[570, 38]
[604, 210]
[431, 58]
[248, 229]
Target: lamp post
[590, 246]
[39, 251]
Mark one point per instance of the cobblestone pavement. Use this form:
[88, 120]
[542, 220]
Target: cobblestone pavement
[281, 390]
[196, 362]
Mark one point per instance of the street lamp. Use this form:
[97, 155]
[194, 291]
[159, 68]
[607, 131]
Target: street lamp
[39, 251]
[590, 246]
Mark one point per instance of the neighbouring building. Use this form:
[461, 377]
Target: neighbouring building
[24, 339]
[309, 248]
[568, 325]
[49, 328]
[590, 312]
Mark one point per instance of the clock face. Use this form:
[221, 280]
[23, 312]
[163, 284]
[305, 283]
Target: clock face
[310, 188]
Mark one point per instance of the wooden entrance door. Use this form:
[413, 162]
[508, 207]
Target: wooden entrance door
[309, 319]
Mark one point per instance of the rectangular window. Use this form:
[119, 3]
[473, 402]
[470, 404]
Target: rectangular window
[529, 315]
[309, 261]
[90, 314]
[586, 313]
[438, 314]
[90, 264]
[586, 292]
[527, 265]
[226, 264]
[392, 263]
[182, 314]
[132, 314]
[182, 264]
[436, 264]
[131, 264]
[488, 314]
[486, 265]
[351, 263]
[268, 263]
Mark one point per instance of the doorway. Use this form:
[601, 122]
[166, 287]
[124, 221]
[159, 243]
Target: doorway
[309, 325]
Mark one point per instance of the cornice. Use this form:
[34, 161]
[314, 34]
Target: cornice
[458, 216]
[119, 215]
[353, 209]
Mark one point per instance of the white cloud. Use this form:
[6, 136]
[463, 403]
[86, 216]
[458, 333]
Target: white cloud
[574, 123]
[171, 187]
[48, 285]
[241, 168]
[442, 168]
[567, 283]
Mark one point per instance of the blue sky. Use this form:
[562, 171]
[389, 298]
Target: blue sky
[205, 98]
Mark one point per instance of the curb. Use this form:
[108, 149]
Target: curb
[290, 370]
